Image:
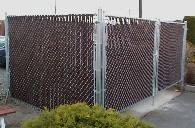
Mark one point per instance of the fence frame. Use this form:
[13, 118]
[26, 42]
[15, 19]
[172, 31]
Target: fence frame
[155, 60]
[181, 81]
[104, 57]
[183, 57]
[7, 50]
[100, 59]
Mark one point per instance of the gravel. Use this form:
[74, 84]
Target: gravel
[23, 111]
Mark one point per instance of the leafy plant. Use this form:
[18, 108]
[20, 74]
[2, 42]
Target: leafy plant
[191, 28]
[80, 115]
[190, 52]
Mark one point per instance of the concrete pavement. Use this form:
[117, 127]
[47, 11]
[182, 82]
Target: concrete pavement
[177, 113]
[172, 109]
[142, 108]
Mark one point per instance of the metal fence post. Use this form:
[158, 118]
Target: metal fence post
[104, 45]
[183, 57]
[98, 60]
[7, 52]
[155, 60]
[157, 52]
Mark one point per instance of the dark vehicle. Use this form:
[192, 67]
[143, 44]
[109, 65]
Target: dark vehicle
[2, 51]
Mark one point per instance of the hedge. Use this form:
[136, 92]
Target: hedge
[191, 28]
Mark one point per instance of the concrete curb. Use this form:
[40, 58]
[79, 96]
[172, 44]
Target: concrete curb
[190, 88]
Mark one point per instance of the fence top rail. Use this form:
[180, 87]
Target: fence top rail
[52, 15]
[130, 18]
[125, 20]
[70, 17]
[173, 22]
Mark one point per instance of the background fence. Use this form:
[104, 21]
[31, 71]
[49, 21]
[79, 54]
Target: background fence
[113, 61]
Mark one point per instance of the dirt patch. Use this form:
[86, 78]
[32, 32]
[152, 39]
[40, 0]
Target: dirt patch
[23, 111]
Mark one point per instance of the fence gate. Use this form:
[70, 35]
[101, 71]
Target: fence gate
[129, 61]
[170, 54]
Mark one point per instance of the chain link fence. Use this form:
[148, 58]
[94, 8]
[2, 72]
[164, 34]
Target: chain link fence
[129, 61]
[51, 59]
[170, 54]
[112, 61]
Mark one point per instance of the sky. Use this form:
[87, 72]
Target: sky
[167, 10]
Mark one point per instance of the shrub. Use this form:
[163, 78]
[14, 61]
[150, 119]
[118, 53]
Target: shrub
[190, 52]
[191, 28]
[190, 73]
[81, 115]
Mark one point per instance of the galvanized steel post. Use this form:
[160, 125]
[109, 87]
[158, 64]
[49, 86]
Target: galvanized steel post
[104, 45]
[157, 52]
[183, 57]
[98, 61]
[7, 52]
[155, 59]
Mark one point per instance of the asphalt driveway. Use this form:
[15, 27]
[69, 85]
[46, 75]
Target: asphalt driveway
[178, 113]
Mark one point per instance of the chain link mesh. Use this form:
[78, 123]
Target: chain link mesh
[51, 59]
[129, 61]
[170, 54]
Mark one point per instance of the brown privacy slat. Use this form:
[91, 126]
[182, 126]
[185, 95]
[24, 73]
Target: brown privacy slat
[46, 56]
[170, 54]
[129, 63]
[51, 59]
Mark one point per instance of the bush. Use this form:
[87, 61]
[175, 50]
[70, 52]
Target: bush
[191, 28]
[81, 115]
[190, 52]
[190, 74]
